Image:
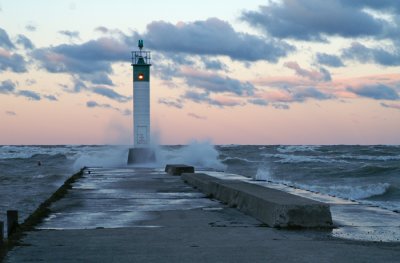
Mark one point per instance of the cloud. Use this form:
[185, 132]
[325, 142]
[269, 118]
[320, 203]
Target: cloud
[392, 105]
[31, 27]
[321, 75]
[171, 103]
[99, 78]
[109, 93]
[102, 29]
[5, 41]
[31, 95]
[215, 83]
[213, 37]
[258, 101]
[25, 42]
[329, 60]
[94, 104]
[214, 64]
[312, 20]
[377, 92]
[302, 94]
[30, 82]
[70, 34]
[11, 113]
[51, 97]
[91, 60]
[7, 87]
[13, 62]
[281, 106]
[361, 53]
[205, 98]
[193, 115]
[391, 5]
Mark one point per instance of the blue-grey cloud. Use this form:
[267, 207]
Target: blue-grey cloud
[312, 20]
[126, 112]
[31, 95]
[377, 92]
[90, 57]
[219, 84]
[281, 106]
[205, 98]
[99, 78]
[300, 95]
[390, 5]
[109, 93]
[25, 42]
[329, 60]
[13, 62]
[57, 62]
[213, 37]
[391, 106]
[198, 117]
[51, 97]
[361, 53]
[321, 75]
[7, 87]
[258, 101]
[31, 27]
[70, 34]
[91, 61]
[197, 96]
[11, 113]
[30, 82]
[5, 41]
[94, 104]
[178, 103]
[214, 64]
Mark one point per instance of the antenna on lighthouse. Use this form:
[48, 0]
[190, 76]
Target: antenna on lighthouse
[140, 44]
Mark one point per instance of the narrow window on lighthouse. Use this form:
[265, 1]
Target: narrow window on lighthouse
[141, 76]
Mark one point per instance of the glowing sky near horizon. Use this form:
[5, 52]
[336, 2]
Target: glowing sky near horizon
[233, 72]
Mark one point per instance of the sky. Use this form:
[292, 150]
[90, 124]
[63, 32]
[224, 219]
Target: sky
[226, 71]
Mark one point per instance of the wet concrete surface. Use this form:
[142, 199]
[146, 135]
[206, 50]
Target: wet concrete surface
[145, 215]
[353, 220]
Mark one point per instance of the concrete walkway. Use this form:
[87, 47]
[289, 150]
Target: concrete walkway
[145, 215]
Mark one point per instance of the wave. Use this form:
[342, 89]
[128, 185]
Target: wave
[297, 148]
[371, 157]
[350, 192]
[201, 154]
[26, 152]
[237, 160]
[288, 158]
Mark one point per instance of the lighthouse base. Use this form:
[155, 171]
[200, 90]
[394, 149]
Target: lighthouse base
[141, 155]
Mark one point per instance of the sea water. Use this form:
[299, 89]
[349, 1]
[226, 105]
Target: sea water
[366, 174]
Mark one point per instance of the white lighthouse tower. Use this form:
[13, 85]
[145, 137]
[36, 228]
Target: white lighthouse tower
[141, 152]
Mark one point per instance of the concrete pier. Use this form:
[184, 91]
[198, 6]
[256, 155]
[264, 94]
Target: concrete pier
[272, 207]
[145, 215]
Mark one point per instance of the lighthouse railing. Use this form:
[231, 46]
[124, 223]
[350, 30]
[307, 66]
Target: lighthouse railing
[145, 55]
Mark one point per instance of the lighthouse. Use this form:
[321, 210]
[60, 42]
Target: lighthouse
[141, 151]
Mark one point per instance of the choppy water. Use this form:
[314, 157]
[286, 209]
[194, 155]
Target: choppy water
[368, 174]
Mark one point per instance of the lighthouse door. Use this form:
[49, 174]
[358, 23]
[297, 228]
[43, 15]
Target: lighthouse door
[141, 135]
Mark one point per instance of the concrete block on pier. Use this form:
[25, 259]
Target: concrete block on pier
[178, 169]
[272, 207]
